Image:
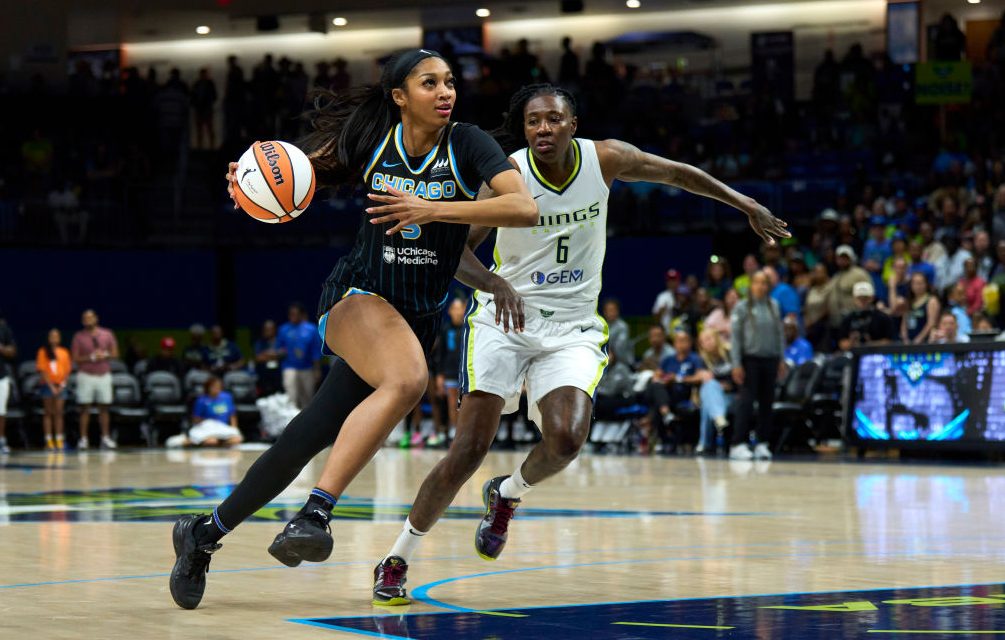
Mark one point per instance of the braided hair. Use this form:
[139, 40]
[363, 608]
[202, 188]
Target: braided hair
[510, 134]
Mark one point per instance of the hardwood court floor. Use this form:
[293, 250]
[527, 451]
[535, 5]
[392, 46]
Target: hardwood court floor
[86, 550]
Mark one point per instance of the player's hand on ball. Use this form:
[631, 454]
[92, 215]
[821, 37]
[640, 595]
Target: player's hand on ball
[509, 305]
[765, 224]
[231, 179]
[400, 208]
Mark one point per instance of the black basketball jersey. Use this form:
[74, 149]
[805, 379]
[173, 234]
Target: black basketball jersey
[413, 269]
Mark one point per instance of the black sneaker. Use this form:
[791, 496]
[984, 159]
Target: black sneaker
[490, 538]
[188, 577]
[389, 583]
[306, 537]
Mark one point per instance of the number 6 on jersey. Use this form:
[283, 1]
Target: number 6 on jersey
[563, 250]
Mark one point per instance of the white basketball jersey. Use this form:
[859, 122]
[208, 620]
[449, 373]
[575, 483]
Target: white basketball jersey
[556, 265]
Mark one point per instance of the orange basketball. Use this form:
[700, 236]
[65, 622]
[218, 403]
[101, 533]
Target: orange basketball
[275, 181]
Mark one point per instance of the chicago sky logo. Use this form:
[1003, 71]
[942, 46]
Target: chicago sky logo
[440, 167]
[557, 277]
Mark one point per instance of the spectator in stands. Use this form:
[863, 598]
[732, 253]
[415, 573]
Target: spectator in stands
[686, 316]
[951, 270]
[956, 303]
[982, 254]
[771, 255]
[678, 376]
[222, 355]
[93, 349]
[949, 43]
[784, 295]
[973, 285]
[948, 331]
[877, 248]
[166, 359]
[448, 355]
[742, 282]
[998, 213]
[757, 351]
[841, 300]
[797, 348]
[815, 308]
[568, 69]
[717, 277]
[916, 252]
[8, 354]
[719, 318]
[666, 301]
[799, 274]
[53, 364]
[866, 325]
[658, 349]
[64, 204]
[214, 418]
[619, 337]
[300, 342]
[268, 360]
[934, 252]
[195, 356]
[897, 288]
[715, 390]
[982, 324]
[898, 251]
[922, 311]
[203, 101]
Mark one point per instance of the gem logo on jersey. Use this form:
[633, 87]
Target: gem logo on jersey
[565, 276]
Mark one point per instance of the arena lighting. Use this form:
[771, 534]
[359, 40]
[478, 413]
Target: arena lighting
[202, 30]
[974, 1]
[483, 13]
[633, 4]
[340, 22]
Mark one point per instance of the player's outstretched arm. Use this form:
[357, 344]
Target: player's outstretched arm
[512, 207]
[471, 271]
[622, 161]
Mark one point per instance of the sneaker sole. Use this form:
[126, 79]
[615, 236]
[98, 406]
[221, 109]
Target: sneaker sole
[393, 602]
[293, 552]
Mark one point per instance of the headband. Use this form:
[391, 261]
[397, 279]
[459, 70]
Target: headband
[405, 62]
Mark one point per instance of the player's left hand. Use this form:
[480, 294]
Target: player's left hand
[765, 224]
[400, 208]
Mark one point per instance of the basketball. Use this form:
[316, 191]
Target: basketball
[275, 181]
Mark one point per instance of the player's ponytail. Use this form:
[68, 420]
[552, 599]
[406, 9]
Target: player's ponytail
[510, 134]
[347, 128]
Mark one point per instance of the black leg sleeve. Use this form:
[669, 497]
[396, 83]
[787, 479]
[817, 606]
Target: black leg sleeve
[314, 428]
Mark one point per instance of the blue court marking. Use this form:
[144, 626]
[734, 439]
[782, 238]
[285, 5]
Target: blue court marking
[942, 610]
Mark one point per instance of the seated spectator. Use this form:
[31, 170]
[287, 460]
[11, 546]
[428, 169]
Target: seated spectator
[214, 418]
[899, 251]
[716, 388]
[194, 355]
[956, 298]
[666, 301]
[917, 263]
[922, 312]
[674, 381]
[877, 248]
[619, 341]
[981, 324]
[742, 282]
[982, 254]
[784, 295]
[222, 355]
[841, 300]
[866, 325]
[973, 285]
[948, 331]
[267, 359]
[815, 308]
[53, 364]
[717, 277]
[799, 274]
[658, 349]
[797, 348]
[897, 286]
[685, 317]
[719, 319]
[166, 360]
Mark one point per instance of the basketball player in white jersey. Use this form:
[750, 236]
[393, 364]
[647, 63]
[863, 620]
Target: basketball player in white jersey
[557, 345]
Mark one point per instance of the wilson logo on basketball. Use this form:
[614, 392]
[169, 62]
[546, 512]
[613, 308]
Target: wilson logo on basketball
[272, 156]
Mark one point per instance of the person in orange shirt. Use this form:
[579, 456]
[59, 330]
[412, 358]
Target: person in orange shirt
[53, 363]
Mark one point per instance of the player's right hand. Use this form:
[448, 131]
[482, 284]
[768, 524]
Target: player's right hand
[231, 180]
[509, 306]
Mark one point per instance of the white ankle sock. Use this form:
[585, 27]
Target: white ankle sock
[407, 542]
[515, 487]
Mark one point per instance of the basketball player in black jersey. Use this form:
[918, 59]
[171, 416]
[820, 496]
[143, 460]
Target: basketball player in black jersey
[381, 306]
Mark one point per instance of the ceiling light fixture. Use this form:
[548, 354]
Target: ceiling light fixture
[202, 30]
[633, 4]
[340, 22]
[483, 13]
